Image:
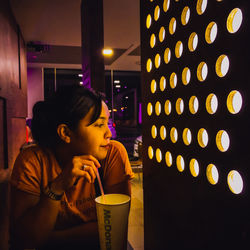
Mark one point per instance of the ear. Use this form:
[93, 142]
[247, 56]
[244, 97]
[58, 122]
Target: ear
[64, 133]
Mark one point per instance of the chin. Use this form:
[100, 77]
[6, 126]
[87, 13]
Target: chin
[101, 155]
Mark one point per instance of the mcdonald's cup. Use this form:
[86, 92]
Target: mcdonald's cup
[112, 216]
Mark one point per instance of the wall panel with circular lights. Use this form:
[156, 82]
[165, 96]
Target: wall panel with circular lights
[196, 126]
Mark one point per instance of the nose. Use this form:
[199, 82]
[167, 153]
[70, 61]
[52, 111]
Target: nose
[108, 133]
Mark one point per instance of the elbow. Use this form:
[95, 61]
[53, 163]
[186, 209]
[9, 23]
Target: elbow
[24, 239]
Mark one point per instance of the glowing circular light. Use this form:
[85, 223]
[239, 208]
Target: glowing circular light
[186, 76]
[172, 26]
[167, 107]
[163, 133]
[150, 108]
[179, 106]
[185, 15]
[148, 21]
[173, 80]
[166, 4]
[157, 13]
[235, 182]
[222, 65]
[180, 163]
[211, 103]
[149, 65]
[173, 135]
[234, 102]
[162, 83]
[201, 6]
[150, 152]
[167, 55]
[168, 159]
[194, 167]
[202, 71]
[222, 140]
[158, 155]
[202, 137]
[211, 32]
[192, 42]
[178, 49]
[154, 131]
[158, 108]
[153, 86]
[193, 105]
[162, 34]
[212, 174]
[152, 40]
[187, 136]
[234, 20]
[157, 60]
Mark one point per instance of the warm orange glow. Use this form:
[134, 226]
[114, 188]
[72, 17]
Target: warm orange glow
[107, 52]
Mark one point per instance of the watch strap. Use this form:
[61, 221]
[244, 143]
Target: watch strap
[48, 192]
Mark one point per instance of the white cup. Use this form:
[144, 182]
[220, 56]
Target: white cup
[112, 216]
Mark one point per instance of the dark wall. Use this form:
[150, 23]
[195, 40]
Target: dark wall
[13, 105]
[182, 210]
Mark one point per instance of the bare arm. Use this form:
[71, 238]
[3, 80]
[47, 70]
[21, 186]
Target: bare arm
[32, 218]
[35, 226]
[85, 234]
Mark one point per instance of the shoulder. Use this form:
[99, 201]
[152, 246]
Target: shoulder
[117, 153]
[116, 145]
[32, 157]
[32, 152]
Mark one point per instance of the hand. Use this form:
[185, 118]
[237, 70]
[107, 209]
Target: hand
[81, 167]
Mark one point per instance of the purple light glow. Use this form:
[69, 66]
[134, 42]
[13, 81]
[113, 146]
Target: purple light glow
[140, 113]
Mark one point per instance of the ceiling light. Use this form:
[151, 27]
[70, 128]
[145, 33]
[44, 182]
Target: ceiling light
[107, 52]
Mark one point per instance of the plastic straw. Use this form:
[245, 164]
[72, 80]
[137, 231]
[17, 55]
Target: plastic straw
[100, 184]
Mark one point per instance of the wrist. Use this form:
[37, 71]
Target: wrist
[52, 194]
[55, 187]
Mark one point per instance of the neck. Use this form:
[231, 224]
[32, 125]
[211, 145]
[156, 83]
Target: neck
[63, 155]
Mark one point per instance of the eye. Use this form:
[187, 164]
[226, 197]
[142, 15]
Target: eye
[100, 125]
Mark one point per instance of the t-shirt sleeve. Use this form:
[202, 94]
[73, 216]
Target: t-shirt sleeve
[26, 173]
[117, 169]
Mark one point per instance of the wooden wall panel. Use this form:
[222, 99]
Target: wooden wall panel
[13, 74]
[13, 94]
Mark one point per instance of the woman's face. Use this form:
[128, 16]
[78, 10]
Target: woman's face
[92, 139]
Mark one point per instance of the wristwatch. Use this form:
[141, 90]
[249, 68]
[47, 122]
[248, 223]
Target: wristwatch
[48, 192]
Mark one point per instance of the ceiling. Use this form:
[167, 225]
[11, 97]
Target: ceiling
[57, 23]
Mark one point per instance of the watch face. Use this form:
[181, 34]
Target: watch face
[52, 195]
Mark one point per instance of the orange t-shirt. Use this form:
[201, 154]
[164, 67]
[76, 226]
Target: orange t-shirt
[35, 167]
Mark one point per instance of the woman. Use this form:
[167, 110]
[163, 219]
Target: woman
[53, 182]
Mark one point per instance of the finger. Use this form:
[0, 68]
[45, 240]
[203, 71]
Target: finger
[90, 168]
[84, 174]
[91, 172]
[91, 158]
[87, 167]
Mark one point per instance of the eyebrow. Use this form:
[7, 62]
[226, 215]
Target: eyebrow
[102, 118]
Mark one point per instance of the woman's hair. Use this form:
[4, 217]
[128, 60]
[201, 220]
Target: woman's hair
[68, 106]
